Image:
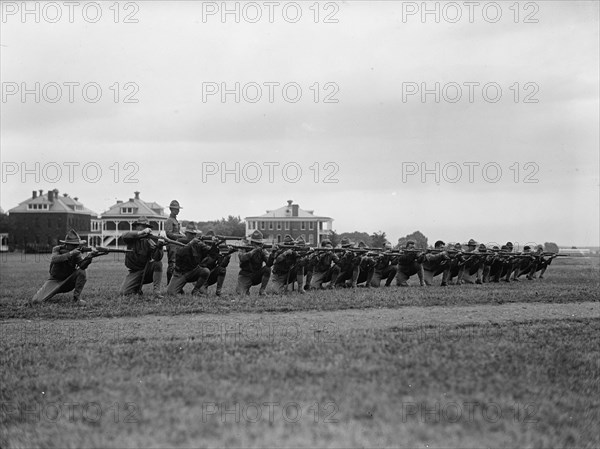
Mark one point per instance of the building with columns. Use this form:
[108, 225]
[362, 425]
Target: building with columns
[119, 218]
[292, 220]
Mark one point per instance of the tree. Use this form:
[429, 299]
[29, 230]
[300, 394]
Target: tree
[356, 236]
[417, 236]
[378, 239]
[334, 237]
[233, 226]
[551, 247]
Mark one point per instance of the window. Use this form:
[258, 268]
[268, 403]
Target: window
[278, 238]
[311, 226]
[302, 225]
[37, 206]
[127, 210]
[262, 225]
[311, 239]
[279, 226]
[320, 226]
[287, 225]
[270, 226]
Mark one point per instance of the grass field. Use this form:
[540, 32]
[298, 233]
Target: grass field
[501, 365]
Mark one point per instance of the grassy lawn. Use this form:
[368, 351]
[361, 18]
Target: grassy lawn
[565, 281]
[171, 384]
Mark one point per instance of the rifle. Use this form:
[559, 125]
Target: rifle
[165, 239]
[250, 248]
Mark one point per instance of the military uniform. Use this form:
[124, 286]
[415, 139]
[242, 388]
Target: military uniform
[541, 263]
[409, 264]
[252, 270]
[436, 264]
[323, 271]
[284, 272]
[67, 270]
[348, 265]
[188, 264]
[173, 232]
[144, 261]
[472, 267]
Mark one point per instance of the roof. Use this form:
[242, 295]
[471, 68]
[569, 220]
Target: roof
[140, 207]
[60, 204]
[286, 212]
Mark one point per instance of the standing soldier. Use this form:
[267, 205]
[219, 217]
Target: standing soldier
[173, 232]
[384, 269]
[144, 261]
[323, 271]
[435, 264]
[409, 264]
[67, 270]
[187, 264]
[252, 270]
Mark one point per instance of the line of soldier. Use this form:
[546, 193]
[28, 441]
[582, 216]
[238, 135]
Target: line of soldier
[203, 261]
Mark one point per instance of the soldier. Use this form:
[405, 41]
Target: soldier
[384, 268]
[435, 264]
[217, 262]
[456, 263]
[323, 271]
[524, 263]
[348, 265]
[409, 263]
[540, 264]
[188, 264]
[304, 266]
[470, 272]
[252, 270]
[67, 270]
[173, 232]
[366, 266]
[144, 261]
[284, 262]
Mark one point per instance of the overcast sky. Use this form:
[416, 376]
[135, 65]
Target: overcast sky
[369, 129]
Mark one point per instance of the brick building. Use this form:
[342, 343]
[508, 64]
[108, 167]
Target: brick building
[292, 220]
[44, 218]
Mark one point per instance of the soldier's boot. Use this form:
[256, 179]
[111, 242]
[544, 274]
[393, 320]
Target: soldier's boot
[542, 273]
[170, 271]
[80, 280]
[421, 276]
[369, 278]
[309, 275]
[263, 284]
[220, 280]
[300, 280]
[390, 277]
[354, 277]
[334, 276]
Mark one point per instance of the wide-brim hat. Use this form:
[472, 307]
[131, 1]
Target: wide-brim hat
[482, 247]
[300, 241]
[142, 221]
[361, 244]
[288, 240]
[72, 238]
[191, 229]
[345, 243]
[410, 242]
[256, 237]
[326, 242]
[175, 205]
[472, 243]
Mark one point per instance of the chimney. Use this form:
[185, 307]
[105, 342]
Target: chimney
[294, 210]
[76, 199]
[119, 201]
[41, 192]
[34, 195]
[137, 195]
[56, 193]
[64, 194]
[51, 195]
[290, 202]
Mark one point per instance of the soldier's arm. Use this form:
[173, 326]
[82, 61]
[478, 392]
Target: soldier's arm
[57, 257]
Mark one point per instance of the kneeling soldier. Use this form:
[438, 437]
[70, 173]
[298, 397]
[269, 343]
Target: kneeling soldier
[323, 271]
[144, 261]
[384, 268]
[409, 264]
[217, 262]
[188, 264]
[252, 271]
[284, 266]
[67, 270]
